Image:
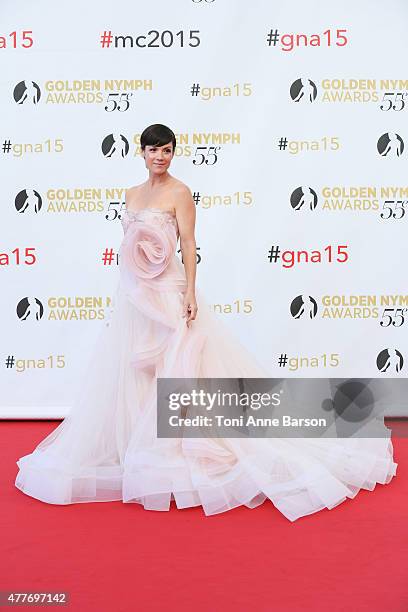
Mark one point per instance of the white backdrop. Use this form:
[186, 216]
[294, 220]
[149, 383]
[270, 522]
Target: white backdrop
[62, 98]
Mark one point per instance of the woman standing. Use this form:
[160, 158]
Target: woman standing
[107, 448]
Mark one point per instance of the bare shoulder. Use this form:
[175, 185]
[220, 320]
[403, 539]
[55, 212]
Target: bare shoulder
[183, 197]
[131, 193]
[134, 189]
[179, 186]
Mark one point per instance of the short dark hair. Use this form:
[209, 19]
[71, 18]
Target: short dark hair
[157, 135]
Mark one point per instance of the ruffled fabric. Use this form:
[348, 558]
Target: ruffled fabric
[146, 250]
[107, 448]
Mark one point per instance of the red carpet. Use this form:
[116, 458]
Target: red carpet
[119, 557]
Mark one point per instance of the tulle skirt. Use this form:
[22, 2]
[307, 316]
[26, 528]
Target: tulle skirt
[107, 448]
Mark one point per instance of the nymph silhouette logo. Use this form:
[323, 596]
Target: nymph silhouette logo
[28, 200]
[27, 92]
[30, 308]
[303, 306]
[115, 145]
[303, 90]
[390, 144]
[390, 361]
[303, 197]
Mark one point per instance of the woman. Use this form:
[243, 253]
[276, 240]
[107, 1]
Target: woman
[163, 192]
[108, 449]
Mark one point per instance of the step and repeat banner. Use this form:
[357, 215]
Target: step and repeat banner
[291, 126]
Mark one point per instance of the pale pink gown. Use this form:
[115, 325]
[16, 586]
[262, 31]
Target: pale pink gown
[107, 448]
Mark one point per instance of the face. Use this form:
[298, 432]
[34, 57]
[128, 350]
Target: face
[158, 159]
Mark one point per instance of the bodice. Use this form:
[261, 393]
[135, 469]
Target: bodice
[148, 249]
[154, 216]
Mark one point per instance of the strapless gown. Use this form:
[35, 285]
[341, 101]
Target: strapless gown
[107, 448]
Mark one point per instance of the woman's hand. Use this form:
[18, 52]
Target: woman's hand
[190, 307]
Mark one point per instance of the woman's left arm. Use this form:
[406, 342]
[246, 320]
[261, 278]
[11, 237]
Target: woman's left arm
[186, 216]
